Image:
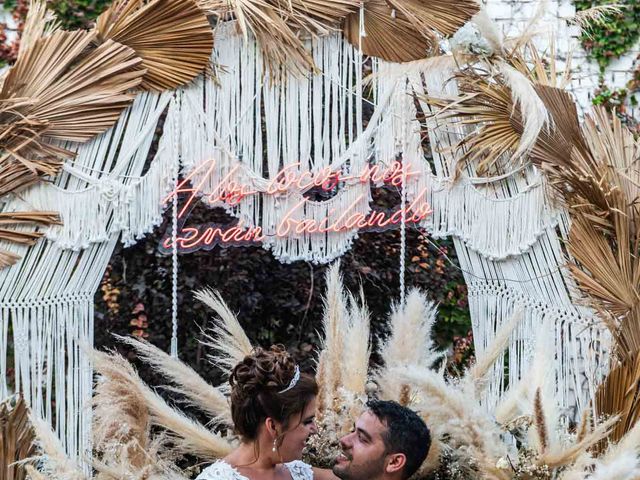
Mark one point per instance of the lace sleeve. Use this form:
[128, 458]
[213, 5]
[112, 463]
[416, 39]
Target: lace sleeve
[300, 470]
[217, 471]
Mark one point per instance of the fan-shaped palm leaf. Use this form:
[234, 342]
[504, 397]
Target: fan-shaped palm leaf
[281, 26]
[61, 90]
[406, 30]
[619, 394]
[439, 16]
[390, 37]
[173, 38]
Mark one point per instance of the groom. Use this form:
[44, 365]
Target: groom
[389, 442]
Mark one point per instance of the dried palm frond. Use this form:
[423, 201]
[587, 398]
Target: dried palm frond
[409, 343]
[227, 338]
[88, 99]
[602, 278]
[22, 237]
[313, 17]
[392, 38]
[21, 218]
[619, 394]
[57, 91]
[594, 170]
[317, 17]
[611, 143]
[282, 27]
[442, 17]
[40, 22]
[16, 439]
[187, 435]
[555, 147]
[278, 41]
[489, 107]
[188, 383]
[173, 38]
[25, 218]
[508, 111]
[18, 172]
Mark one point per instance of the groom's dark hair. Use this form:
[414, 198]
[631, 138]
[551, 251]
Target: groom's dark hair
[406, 433]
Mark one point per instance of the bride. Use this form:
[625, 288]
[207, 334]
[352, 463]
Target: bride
[273, 409]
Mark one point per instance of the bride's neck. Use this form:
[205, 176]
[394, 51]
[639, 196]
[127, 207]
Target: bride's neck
[252, 455]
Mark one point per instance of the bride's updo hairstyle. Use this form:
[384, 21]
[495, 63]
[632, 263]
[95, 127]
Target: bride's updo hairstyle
[263, 385]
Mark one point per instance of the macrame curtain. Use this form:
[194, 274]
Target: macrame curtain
[508, 239]
[47, 298]
[505, 232]
[304, 124]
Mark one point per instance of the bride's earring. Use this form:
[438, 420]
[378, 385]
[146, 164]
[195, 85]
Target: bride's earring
[275, 445]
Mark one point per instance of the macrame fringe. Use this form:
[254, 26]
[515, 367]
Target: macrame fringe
[310, 124]
[113, 204]
[494, 227]
[51, 370]
[580, 349]
[48, 295]
[314, 247]
[507, 242]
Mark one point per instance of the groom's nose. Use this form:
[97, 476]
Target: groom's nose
[345, 442]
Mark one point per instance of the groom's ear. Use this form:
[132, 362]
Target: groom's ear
[395, 463]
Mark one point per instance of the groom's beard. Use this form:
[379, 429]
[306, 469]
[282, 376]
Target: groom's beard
[364, 470]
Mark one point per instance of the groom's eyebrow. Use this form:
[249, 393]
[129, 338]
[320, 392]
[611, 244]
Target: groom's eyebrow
[364, 433]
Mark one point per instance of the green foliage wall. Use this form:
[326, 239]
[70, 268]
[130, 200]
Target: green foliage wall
[616, 35]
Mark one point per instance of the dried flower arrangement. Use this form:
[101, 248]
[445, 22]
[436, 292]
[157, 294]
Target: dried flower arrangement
[524, 437]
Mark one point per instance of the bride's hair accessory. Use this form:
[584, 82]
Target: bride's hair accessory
[294, 380]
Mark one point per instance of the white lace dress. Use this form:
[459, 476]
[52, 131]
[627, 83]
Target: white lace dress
[221, 470]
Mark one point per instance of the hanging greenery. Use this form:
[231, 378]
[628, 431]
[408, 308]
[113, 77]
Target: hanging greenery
[615, 34]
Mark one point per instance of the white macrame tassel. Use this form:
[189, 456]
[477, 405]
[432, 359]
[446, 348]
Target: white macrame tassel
[174, 244]
[362, 32]
[403, 235]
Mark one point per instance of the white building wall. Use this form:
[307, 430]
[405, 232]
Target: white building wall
[514, 15]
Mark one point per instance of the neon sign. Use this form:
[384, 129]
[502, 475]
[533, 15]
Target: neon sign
[230, 192]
